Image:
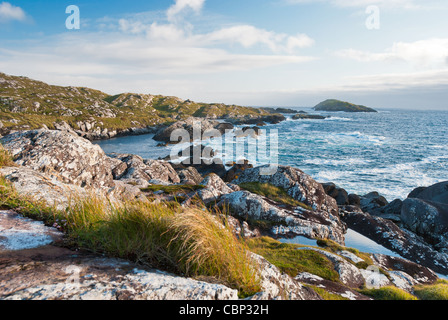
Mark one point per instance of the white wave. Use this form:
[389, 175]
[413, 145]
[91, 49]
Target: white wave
[339, 119]
[335, 162]
[356, 137]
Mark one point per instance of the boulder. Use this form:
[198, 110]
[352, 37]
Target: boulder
[190, 176]
[339, 194]
[354, 200]
[135, 170]
[428, 219]
[236, 170]
[61, 155]
[372, 202]
[425, 212]
[296, 183]
[194, 126]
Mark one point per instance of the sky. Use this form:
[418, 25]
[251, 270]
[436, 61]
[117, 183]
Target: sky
[379, 53]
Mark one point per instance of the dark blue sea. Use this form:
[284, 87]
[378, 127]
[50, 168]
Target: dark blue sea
[392, 152]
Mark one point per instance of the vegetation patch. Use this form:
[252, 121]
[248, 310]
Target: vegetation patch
[6, 159]
[292, 261]
[437, 291]
[328, 296]
[274, 193]
[173, 188]
[388, 293]
[334, 247]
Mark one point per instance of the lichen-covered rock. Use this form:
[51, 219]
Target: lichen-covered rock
[428, 219]
[330, 286]
[39, 187]
[54, 273]
[404, 268]
[61, 155]
[19, 233]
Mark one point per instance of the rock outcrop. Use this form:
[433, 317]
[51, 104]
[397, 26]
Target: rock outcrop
[300, 186]
[195, 127]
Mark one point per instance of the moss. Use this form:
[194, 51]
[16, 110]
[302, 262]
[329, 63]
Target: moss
[292, 261]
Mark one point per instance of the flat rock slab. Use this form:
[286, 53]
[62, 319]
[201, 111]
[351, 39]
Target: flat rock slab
[55, 273]
[19, 233]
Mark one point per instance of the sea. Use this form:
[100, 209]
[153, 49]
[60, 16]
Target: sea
[391, 152]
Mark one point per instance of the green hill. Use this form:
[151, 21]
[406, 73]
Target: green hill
[30, 104]
[333, 105]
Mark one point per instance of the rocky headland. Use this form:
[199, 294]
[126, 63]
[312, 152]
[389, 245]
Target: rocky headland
[333, 105]
[52, 176]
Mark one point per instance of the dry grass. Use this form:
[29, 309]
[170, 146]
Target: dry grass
[190, 242]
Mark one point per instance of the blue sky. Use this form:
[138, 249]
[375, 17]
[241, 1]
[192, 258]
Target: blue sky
[248, 52]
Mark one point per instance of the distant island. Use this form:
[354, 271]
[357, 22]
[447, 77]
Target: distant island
[333, 105]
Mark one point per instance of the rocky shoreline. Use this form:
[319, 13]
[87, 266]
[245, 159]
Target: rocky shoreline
[52, 165]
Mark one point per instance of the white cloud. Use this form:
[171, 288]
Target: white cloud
[249, 36]
[423, 53]
[182, 5]
[8, 12]
[401, 4]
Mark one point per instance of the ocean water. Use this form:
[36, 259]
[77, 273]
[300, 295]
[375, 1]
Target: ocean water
[391, 152]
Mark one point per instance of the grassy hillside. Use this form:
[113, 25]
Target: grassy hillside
[333, 105]
[29, 104]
